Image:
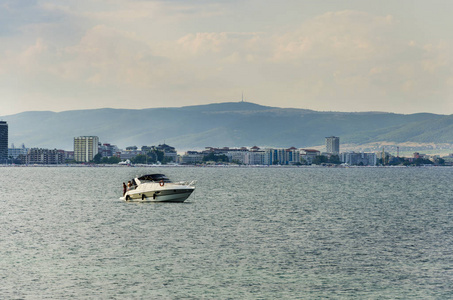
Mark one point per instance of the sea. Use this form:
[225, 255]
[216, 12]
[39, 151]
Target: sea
[245, 233]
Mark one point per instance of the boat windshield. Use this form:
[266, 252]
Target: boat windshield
[154, 177]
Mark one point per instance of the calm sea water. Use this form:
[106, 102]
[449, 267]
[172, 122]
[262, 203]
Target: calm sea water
[246, 233]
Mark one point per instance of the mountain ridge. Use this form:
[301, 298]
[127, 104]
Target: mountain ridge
[231, 124]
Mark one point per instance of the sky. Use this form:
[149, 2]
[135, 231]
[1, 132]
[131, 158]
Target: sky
[393, 56]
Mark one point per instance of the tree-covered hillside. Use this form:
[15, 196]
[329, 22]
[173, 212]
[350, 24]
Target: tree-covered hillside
[224, 124]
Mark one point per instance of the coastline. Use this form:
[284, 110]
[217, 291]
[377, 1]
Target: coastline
[210, 166]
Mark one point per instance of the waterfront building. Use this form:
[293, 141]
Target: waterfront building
[254, 156]
[3, 141]
[309, 155]
[171, 156]
[169, 152]
[362, 159]
[220, 151]
[14, 152]
[69, 155]
[166, 148]
[108, 150]
[268, 156]
[192, 157]
[130, 154]
[333, 145]
[85, 148]
[292, 156]
[281, 156]
[146, 149]
[233, 154]
[237, 156]
[417, 155]
[274, 156]
[44, 156]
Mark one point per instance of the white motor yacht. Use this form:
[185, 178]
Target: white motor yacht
[158, 188]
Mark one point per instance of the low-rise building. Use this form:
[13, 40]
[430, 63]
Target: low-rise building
[308, 155]
[170, 153]
[44, 156]
[362, 159]
[191, 157]
[14, 152]
[108, 150]
[255, 156]
[129, 154]
[237, 156]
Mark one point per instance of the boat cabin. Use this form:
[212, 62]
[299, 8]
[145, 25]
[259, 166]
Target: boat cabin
[154, 178]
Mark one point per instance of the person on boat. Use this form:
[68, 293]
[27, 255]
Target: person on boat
[129, 185]
[124, 189]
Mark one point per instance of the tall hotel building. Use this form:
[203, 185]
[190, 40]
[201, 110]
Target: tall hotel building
[3, 141]
[333, 145]
[85, 148]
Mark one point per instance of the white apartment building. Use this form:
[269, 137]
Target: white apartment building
[272, 156]
[236, 156]
[85, 148]
[281, 156]
[364, 159]
[191, 157]
[292, 156]
[254, 158]
[333, 145]
[309, 154]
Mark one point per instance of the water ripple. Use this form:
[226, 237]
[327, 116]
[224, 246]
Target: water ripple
[259, 233]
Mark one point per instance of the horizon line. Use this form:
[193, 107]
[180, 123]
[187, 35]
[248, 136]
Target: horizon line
[220, 103]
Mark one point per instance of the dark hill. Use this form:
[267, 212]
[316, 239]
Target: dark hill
[223, 124]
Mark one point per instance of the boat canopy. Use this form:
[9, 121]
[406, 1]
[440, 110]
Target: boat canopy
[154, 177]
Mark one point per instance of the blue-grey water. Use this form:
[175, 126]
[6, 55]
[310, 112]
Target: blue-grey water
[246, 233]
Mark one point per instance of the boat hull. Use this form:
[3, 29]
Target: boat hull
[164, 195]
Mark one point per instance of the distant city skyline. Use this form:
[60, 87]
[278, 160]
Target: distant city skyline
[352, 55]
[211, 125]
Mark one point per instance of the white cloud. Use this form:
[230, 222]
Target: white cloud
[105, 56]
[340, 35]
[183, 52]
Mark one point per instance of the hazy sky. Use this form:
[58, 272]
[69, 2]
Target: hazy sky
[323, 55]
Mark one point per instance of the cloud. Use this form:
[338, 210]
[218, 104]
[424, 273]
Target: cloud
[107, 56]
[187, 52]
[337, 35]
